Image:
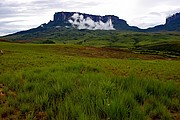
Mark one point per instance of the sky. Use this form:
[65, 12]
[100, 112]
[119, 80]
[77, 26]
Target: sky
[18, 15]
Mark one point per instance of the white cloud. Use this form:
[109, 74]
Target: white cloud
[80, 22]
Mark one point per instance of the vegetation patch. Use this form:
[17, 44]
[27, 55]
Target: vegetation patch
[48, 42]
[65, 92]
[39, 81]
[168, 49]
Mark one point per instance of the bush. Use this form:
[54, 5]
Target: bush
[48, 42]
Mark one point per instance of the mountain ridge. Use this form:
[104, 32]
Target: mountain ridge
[83, 21]
[88, 21]
[172, 24]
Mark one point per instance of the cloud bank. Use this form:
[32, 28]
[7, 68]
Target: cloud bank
[80, 22]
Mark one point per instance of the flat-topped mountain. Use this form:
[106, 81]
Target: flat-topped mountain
[69, 25]
[88, 21]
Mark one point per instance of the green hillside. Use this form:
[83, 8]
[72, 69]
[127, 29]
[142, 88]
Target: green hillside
[68, 81]
[161, 43]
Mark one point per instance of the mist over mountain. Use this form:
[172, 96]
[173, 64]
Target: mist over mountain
[87, 21]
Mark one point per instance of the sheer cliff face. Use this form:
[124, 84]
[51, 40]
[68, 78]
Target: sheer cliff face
[173, 19]
[87, 21]
[172, 24]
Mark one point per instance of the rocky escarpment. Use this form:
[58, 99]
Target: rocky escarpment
[172, 24]
[76, 20]
[88, 21]
[173, 19]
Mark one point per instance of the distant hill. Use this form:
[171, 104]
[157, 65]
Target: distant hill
[172, 24]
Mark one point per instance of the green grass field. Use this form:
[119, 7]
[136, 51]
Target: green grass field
[73, 82]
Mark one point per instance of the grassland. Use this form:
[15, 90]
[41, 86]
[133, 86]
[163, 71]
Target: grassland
[73, 82]
[159, 43]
